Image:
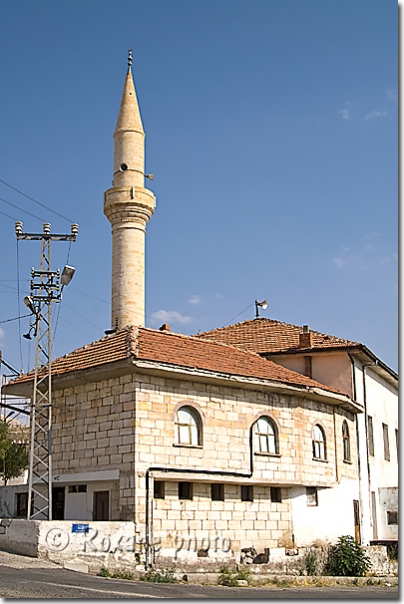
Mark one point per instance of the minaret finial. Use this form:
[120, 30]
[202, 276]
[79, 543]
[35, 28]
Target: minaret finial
[130, 56]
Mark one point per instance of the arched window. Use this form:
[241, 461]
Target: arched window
[319, 445]
[346, 441]
[266, 436]
[187, 427]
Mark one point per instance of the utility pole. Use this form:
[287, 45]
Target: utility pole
[46, 288]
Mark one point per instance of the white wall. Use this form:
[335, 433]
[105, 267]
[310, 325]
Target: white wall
[79, 506]
[109, 544]
[332, 518]
[376, 472]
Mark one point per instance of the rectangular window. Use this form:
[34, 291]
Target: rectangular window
[386, 442]
[22, 505]
[276, 495]
[311, 496]
[217, 491]
[185, 490]
[159, 489]
[392, 517]
[370, 436]
[307, 367]
[77, 488]
[247, 493]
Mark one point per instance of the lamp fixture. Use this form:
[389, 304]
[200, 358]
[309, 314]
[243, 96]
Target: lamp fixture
[264, 306]
[29, 303]
[67, 275]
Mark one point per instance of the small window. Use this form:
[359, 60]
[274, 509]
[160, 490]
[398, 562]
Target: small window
[311, 496]
[187, 427]
[392, 517]
[77, 488]
[217, 491]
[276, 495]
[22, 505]
[159, 489]
[370, 436]
[266, 436]
[386, 442]
[319, 445]
[346, 444]
[185, 490]
[247, 493]
[307, 367]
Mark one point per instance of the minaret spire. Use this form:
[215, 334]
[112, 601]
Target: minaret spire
[128, 206]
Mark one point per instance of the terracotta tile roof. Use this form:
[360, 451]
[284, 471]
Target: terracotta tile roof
[269, 336]
[174, 349]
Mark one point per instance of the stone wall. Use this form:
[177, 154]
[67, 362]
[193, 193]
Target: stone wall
[226, 416]
[128, 423]
[93, 429]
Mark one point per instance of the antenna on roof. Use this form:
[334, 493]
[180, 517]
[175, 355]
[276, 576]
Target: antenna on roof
[264, 306]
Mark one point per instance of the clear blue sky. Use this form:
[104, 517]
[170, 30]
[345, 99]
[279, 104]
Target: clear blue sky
[272, 133]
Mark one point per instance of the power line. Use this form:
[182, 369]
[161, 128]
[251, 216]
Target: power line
[89, 295]
[15, 319]
[21, 210]
[16, 289]
[35, 201]
[78, 314]
[240, 313]
[8, 216]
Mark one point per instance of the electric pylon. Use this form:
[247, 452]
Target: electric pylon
[46, 288]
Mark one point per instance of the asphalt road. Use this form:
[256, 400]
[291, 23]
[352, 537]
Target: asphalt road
[55, 582]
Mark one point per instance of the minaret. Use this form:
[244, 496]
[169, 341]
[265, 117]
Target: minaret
[128, 206]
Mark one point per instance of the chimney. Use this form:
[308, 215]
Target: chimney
[306, 338]
[165, 327]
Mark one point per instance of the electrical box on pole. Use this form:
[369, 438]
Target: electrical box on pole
[46, 288]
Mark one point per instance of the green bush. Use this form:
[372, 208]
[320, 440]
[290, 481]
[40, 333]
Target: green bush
[159, 576]
[311, 563]
[347, 559]
[230, 576]
[123, 574]
[120, 574]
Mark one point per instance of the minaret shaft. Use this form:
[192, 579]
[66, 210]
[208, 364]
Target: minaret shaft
[128, 206]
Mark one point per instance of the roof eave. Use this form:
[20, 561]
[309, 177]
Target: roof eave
[71, 378]
[314, 393]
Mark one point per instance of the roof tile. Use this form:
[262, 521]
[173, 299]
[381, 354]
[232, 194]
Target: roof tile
[174, 349]
[269, 336]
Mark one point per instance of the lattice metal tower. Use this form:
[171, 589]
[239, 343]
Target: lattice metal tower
[46, 288]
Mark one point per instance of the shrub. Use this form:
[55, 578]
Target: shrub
[230, 576]
[104, 572]
[347, 559]
[123, 574]
[159, 576]
[311, 563]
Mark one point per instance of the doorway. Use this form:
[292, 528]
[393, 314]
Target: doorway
[357, 521]
[58, 503]
[101, 505]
